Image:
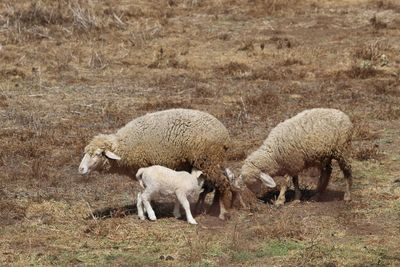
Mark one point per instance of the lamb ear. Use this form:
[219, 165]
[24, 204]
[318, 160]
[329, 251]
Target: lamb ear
[267, 180]
[198, 173]
[111, 155]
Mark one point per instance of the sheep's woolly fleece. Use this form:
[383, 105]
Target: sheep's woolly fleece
[177, 138]
[301, 142]
[159, 179]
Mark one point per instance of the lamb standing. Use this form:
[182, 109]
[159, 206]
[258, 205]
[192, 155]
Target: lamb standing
[159, 179]
[179, 139]
[311, 138]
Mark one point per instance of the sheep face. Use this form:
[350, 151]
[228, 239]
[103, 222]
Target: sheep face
[197, 173]
[96, 160]
[234, 181]
[254, 181]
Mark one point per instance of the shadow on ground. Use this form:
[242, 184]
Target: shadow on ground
[162, 210]
[306, 195]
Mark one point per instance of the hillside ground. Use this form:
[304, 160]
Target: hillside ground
[72, 69]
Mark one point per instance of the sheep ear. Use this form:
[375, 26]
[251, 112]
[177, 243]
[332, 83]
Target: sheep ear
[267, 180]
[198, 173]
[230, 175]
[111, 155]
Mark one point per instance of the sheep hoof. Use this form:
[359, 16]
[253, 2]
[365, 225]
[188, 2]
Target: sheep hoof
[296, 201]
[315, 198]
[152, 218]
[142, 218]
[347, 197]
[225, 216]
[279, 203]
[192, 222]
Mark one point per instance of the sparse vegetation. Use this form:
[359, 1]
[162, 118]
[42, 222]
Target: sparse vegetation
[367, 152]
[70, 69]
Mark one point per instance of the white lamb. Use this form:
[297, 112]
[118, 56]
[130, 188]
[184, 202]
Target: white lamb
[158, 179]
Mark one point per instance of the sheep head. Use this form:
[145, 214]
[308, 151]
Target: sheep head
[252, 177]
[235, 181]
[98, 153]
[197, 173]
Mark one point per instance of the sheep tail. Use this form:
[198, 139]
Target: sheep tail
[139, 176]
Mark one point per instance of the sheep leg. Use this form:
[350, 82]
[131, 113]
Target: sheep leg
[177, 212]
[236, 195]
[346, 169]
[218, 200]
[281, 198]
[147, 205]
[186, 206]
[222, 189]
[297, 192]
[323, 181]
[139, 205]
[222, 209]
[200, 203]
[215, 201]
[207, 188]
[224, 186]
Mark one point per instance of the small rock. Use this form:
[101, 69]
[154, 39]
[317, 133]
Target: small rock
[295, 96]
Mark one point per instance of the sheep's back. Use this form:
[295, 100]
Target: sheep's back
[167, 181]
[309, 136]
[175, 136]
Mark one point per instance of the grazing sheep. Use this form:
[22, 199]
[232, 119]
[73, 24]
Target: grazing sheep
[208, 188]
[311, 138]
[159, 179]
[179, 139]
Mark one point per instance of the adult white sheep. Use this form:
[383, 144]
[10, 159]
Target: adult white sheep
[161, 180]
[179, 139]
[311, 138]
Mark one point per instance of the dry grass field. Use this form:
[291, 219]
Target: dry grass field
[70, 69]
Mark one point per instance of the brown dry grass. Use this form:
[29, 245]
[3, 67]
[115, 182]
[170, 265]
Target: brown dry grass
[71, 69]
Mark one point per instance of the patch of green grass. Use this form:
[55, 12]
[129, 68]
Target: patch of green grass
[205, 263]
[131, 258]
[368, 171]
[278, 248]
[397, 206]
[272, 248]
[215, 250]
[89, 258]
[395, 157]
[353, 252]
[241, 256]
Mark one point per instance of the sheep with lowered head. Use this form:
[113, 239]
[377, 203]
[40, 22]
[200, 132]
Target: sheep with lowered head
[161, 180]
[312, 138]
[179, 139]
